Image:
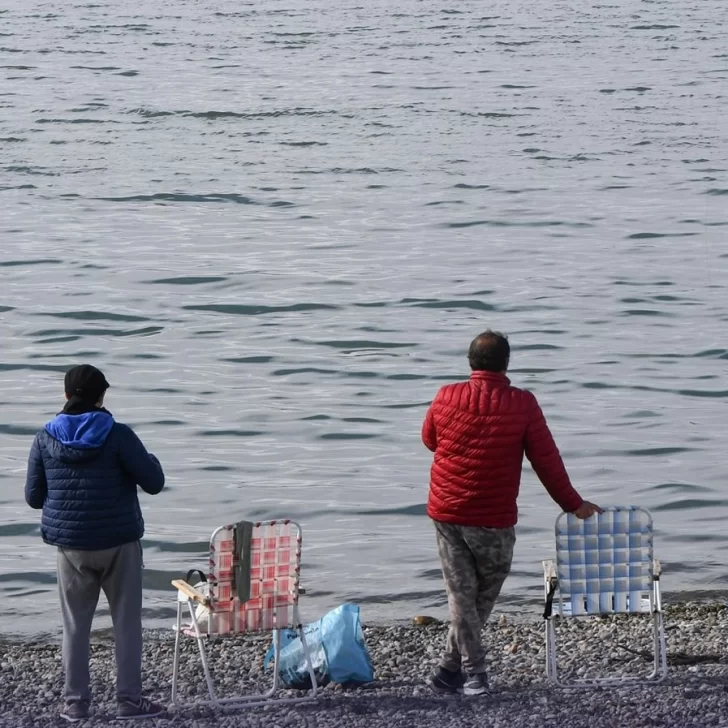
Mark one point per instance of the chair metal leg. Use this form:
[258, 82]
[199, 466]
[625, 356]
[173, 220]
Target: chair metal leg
[276, 660]
[203, 655]
[659, 672]
[247, 701]
[307, 652]
[175, 663]
[663, 647]
[240, 701]
[551, 666]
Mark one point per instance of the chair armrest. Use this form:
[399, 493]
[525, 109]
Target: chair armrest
[190, 592]
[549, 569]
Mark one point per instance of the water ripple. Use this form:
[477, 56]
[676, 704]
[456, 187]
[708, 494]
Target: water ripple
[278, 256]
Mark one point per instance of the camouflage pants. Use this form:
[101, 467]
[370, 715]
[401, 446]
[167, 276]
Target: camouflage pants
[475, 563]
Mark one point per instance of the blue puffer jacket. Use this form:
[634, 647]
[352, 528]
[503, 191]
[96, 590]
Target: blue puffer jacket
[83, 472]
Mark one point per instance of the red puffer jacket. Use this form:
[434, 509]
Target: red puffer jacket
[479, 431]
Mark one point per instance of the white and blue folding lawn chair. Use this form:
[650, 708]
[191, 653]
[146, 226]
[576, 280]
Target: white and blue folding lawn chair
[604, 565]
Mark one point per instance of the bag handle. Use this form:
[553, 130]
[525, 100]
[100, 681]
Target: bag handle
[192, 572]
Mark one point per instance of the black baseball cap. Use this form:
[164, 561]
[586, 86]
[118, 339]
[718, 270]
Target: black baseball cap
[87, 382]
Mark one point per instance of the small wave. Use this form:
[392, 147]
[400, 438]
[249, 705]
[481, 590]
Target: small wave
[713, 354]
[538, 347]
[507, 223]
[650, 236]
[683, 487]
[34, 577]
[348, 436]
[184, 547]
[18, 529]
[262, 359]
[305, 144]
[363, 344]
[708, 393]
[405, 405]
[146, 331]
[36, 261]
[231, 433]
[23, 169]
[487, 115]
[432, 596]
[415, 509]
[655, 26]
[658, 451]
[214, 115]
[348, 170]
[252, 310]
[647, 312]
[445, 304]
[150, 114]
[76, 121]
[178, 197]
[328, 372]
[17, 430]
[92, 316]
[689, 503]
[188, 280]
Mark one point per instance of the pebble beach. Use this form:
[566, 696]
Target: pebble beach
[694, 694]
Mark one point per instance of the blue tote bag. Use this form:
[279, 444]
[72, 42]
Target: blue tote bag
[337, 648]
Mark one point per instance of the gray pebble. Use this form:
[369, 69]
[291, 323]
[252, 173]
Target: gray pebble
[693, 696]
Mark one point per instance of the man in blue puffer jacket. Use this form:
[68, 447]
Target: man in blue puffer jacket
[83, 471]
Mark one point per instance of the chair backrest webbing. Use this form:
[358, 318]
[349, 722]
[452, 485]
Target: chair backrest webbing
[604, 563]
[271, 554]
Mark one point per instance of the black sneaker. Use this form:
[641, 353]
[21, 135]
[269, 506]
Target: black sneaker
[476, 684]
[142, 708]
[75, 711]
[446, 681]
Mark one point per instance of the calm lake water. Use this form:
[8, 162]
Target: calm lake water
[277, 225]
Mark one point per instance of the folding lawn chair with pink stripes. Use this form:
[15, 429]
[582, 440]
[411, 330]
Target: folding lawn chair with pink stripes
[253, 584]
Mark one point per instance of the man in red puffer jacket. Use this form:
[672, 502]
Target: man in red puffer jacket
[479, 431]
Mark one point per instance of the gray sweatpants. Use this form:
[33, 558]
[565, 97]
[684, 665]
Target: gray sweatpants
[475, 563]
[81, 576]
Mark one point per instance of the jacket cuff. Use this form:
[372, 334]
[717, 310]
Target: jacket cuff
[574, 504]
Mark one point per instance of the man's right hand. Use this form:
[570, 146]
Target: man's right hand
[587, 509]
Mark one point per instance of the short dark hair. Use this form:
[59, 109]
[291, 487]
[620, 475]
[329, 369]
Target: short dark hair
[489, 352]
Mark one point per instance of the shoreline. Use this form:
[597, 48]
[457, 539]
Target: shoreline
[694, 694]
[516, 614]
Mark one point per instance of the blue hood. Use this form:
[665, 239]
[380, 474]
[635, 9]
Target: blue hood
[83, 432]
